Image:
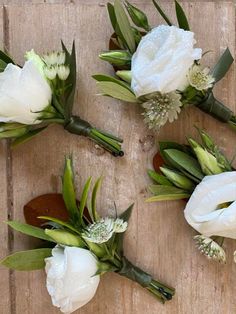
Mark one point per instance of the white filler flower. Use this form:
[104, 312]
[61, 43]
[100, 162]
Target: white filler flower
[23, 93]
[162, 60]
[70, 277]
[211, 210]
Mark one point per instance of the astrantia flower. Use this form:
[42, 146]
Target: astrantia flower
[210, 248]
[200, 78]
[161, 108]
[71, 277]
[102, 231]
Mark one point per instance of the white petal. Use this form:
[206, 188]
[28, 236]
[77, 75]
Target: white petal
[201, 212]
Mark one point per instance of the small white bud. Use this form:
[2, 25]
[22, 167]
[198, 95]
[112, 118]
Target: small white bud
[63, 72]
[50, 72]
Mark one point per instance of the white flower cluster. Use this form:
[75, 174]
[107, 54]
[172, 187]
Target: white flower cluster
[161, 108]
[55, 66]
[210, 248]
[102, 231]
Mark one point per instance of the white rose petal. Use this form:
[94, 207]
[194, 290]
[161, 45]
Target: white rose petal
[23, 92]
[202, 211]
[71, 280]
[162, 60]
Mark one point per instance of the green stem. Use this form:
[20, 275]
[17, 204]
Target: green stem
[103, 139]
[159, 290]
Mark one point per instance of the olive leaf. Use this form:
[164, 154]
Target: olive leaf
[181, 160]
[116, 91]
[124, 25]
[93, 200]
[159, 9]
[27, 260]
[29, 230]
[166, 193]
[28, 136]
[158, 178]
[68, 191]
[60, 223]
[222, 66]
[181, 17]
[84, 197]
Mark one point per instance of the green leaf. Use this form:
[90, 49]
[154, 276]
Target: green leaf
[2, 65]
[14, 133]
[6, 58]
[59, 222]
[68, 191]
[116, 91]
[107, 78]
[159, 9]
[181, 17]
[29, 230]
[93, 201]
[124, 25]
[162, 180]
[84, 197]
[119, 237]
[222, 66]
[168, 145]
[112, 16]
[137, 16]
[71, 81]
[166, 193]
[181, 160]
[27, 260]
[26, 137]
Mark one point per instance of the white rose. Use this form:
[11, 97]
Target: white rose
[202, 211]
[70, 277]
[162, 60]
[23, 92]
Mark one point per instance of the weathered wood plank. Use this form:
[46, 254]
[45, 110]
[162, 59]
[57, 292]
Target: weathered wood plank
[159, 239]
[4, 208]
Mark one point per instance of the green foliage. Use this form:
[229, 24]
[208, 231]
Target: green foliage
[161, 12]
[167, 193]
[181, 17]
[222, 66]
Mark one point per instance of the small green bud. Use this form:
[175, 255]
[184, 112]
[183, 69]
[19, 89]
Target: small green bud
[207, 161]
[64, 237]
[116, 57]
[207, 140]
[138, 17]
[178, 179]
[14, 133]
[98, 249]
[125, 75]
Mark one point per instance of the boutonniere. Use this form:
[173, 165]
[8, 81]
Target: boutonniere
[85, 247]
[159, 68]
[202, 175]
[40, 93]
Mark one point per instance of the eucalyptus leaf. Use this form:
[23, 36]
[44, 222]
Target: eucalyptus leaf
[181, 160]
[29, 230]
[161, 12]
[158, 178]
[116, 91]
[181, 17]
[27, 260]
[165, 193]
[26, 137]
[222, 66]
[68, 191]
[124, 25]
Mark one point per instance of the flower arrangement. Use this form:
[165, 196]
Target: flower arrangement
[42, 93]
[84, 248]
[159, 68]
[202, 174]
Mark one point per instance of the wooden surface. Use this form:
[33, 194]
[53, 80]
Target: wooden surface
[159, 240]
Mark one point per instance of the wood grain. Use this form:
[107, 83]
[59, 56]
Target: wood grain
[158, 240]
